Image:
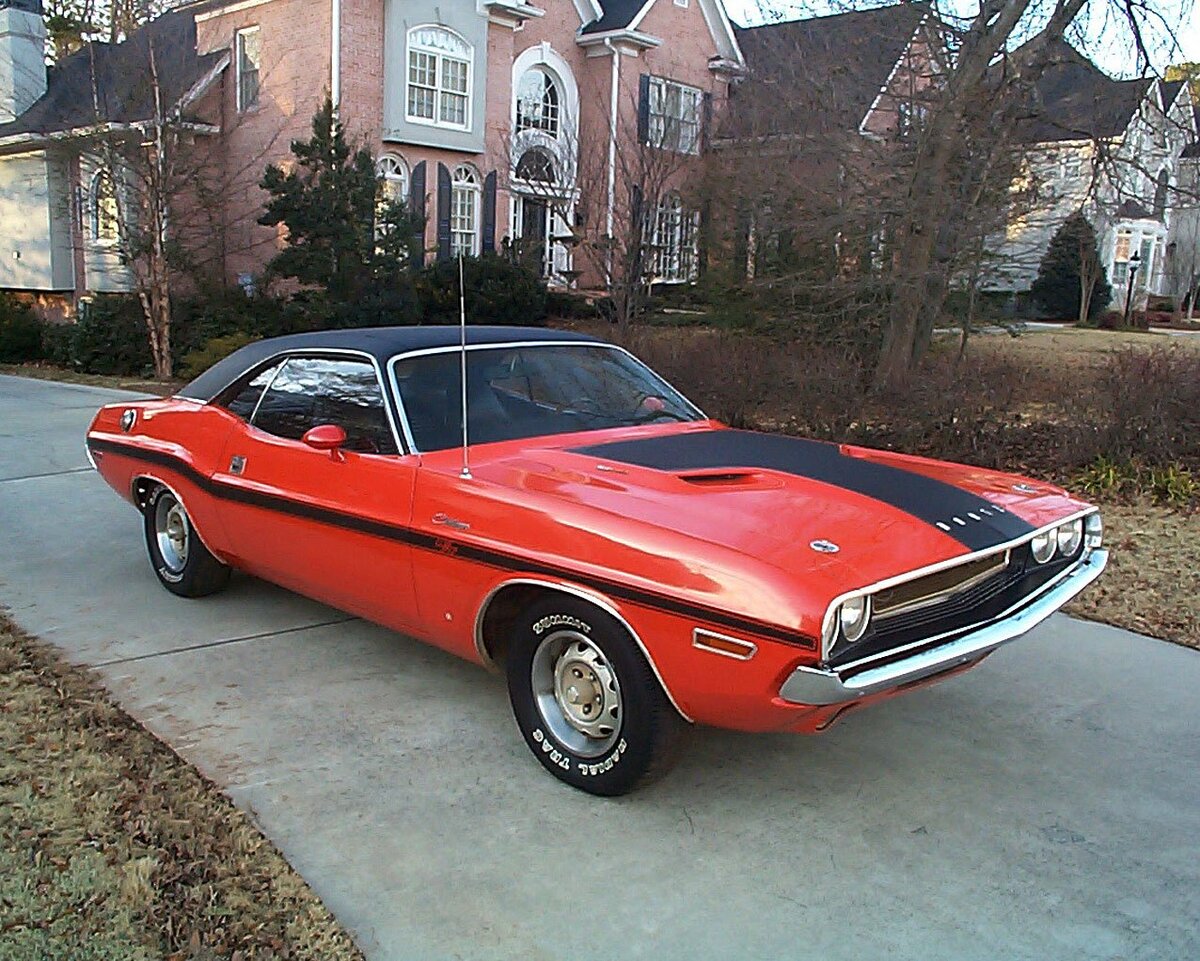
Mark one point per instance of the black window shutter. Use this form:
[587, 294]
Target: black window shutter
[488, 241]
[644, 108]
[443, 213]
[416, 200]
[706, 113]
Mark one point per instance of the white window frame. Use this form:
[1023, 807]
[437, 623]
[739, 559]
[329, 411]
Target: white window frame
[667, 127]
[674, 231]
[240, 57]
[1119, 270]
[443, 47]
[466, 194]
[394, 172]
[94, 219]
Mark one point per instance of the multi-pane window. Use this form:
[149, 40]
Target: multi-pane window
[395, 178]
[249, 66]
[1121, 251]
[536, 167]
[104, 212]
[538, 102]
[674, 116]
[672, 242]
[439, 78]
[464, 212]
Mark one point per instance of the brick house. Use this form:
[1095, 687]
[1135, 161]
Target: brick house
[829, 101]
[484, 114]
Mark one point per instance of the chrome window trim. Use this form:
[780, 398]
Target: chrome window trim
[598, 600]
[316, 353]
[508, 345]
[826, 622]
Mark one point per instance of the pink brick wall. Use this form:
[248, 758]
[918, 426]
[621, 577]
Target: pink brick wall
[296, 76]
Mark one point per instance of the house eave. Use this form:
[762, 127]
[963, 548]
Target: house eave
[633, 38]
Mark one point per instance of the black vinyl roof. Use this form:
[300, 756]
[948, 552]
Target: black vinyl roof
[381, 343]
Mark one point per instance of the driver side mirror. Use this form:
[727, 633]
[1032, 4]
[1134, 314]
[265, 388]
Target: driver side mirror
[328, 437]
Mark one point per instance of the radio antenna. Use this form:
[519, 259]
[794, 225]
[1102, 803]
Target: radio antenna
[462, 329]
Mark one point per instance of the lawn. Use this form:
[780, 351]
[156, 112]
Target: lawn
[112, 847]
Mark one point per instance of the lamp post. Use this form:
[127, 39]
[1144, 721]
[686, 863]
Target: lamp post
[1134, 262]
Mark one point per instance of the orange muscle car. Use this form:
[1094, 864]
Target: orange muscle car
[631, 565]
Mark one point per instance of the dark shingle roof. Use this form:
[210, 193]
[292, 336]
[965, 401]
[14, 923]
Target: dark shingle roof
[1170, 90]
[122, 92]
[839, 63]
[618, 14]
[1074, 100]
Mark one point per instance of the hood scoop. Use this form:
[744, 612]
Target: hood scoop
[727, 478]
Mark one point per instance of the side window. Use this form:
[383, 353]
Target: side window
[245, 399]
[287, 409]
[313, 391]
[348, 395]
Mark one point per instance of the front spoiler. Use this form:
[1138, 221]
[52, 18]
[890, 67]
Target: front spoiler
[821, 686]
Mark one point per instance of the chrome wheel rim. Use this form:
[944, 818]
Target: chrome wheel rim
[172, 533]
[577, 693]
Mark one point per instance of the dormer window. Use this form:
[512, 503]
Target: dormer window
[439, 78]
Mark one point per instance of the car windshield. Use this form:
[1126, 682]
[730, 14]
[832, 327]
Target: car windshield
[529, 391]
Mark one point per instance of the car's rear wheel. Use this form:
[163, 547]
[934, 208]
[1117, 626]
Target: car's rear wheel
[182, 563]
[586, 700]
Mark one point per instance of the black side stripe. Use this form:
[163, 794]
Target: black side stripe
[446, 545]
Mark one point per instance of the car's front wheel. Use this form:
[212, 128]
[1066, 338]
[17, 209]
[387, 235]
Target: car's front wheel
[183, 564]
[586, 700]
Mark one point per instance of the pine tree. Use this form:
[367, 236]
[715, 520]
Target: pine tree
[344, 240]
[1071, 274]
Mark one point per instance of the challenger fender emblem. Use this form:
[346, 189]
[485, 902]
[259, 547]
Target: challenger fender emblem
[824, 547]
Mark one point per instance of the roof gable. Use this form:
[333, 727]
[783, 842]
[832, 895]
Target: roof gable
[834, 66]
[110, 83]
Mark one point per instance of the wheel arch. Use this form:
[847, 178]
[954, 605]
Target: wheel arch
[505, 602]
[142, 486]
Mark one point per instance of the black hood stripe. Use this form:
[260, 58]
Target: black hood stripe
[975, 523]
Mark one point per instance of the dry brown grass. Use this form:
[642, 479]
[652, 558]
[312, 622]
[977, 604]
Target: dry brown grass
[1152, 584]
[111, 847]
[1075, 347]
[63, 375]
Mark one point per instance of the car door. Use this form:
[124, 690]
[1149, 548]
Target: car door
[331, 525]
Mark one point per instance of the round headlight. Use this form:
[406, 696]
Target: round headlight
[1043, 545]
[854, 616]
[1095, 531]
[1070, 536]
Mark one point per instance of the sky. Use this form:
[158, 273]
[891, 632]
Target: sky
[1172, 35]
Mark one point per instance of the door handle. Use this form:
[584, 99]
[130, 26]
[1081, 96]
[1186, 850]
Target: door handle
[452, 522]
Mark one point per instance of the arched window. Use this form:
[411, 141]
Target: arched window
[394, 174]
[104, 215]
[538, 102]
[439, 78]
[464, 211]
[1161, 186]
[536, 166]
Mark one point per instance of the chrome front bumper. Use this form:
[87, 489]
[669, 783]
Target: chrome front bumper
[849, 682]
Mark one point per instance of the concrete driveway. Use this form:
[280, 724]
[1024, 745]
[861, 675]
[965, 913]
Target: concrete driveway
[1045, 806]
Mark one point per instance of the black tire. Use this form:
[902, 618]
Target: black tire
[626, 747]
[183, 565]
